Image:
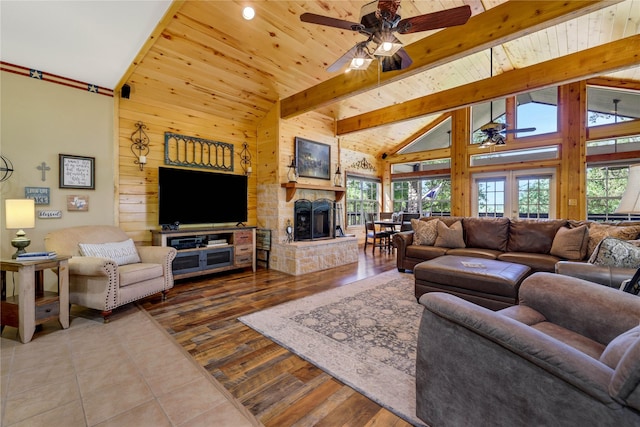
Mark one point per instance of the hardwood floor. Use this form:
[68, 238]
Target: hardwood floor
[278, 387]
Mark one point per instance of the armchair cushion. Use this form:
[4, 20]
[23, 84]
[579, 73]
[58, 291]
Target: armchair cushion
[136, 273]
[122, 253]
[619, 346]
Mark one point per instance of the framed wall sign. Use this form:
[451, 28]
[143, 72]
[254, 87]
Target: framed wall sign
[313, 159]
[77, 172]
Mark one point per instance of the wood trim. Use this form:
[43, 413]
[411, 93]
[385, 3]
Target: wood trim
[616, 130]
[610, 57]
[505, 22]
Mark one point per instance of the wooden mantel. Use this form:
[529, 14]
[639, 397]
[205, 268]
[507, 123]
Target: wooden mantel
[293, 186]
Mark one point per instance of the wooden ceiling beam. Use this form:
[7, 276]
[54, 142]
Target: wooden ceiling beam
[589, 63]
[500, 24]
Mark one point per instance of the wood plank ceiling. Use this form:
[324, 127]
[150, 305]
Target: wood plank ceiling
[208, 58]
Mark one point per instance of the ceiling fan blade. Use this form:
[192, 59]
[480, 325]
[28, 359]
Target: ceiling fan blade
[399, 61]
[343, 60]
[388, 8]
[312, 18]
[519, 130]
[435, 20]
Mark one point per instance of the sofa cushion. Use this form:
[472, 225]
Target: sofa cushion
[619, 346]
[121, 252]
[537, 262]
[424, 252]
[625, 383]
[489, 233]
[450, 237]
[535, 236]
[136, 273]
[424, 232]
[613, 252]
[571, 243]
[597, 232]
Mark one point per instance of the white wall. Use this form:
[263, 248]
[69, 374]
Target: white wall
[39, 121]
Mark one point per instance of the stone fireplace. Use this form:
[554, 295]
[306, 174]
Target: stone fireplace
[313, 220]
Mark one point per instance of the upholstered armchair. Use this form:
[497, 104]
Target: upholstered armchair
[107, 270]
[568, 354]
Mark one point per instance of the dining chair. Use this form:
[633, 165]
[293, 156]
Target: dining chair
[405, 219]
[379, 239]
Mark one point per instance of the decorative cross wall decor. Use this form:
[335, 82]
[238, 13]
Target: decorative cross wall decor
[43, 168]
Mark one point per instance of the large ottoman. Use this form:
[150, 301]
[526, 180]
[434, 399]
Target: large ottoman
[489, 283]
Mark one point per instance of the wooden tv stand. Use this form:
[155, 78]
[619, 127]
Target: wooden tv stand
[209, 250]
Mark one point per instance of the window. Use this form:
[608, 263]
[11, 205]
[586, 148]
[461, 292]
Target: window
[483, 114]
[362, 197]
[491, 197]
[438, 137]
[515, 156]
[533, 196]
[516, 194]
[537, 110]
[606, 105]
[425, 196]
[605, 186]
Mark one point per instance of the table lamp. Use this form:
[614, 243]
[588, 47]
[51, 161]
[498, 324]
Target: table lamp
[20, 213]
[630, 202]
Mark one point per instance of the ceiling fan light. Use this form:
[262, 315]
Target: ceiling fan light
[387, 48]
[359, 63]
[248, 13]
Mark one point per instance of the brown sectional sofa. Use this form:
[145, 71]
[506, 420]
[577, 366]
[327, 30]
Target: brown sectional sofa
[528, 242]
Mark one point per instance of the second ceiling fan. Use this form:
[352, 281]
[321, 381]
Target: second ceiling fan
[379, 20]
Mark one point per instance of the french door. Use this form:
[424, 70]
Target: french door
[514, 194]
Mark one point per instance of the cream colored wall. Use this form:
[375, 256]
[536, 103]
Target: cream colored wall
[40, 120]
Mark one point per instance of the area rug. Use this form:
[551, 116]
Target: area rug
[364, 334]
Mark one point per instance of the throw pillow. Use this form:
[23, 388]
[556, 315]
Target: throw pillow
[450, 237]
[597, 232]
[618, 347]
[121, 252]
[612, 252]
[571, 243]
[424, 232]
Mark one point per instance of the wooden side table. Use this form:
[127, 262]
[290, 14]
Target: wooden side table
[33, 306]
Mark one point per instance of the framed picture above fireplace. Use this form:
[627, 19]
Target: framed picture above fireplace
[313, 159]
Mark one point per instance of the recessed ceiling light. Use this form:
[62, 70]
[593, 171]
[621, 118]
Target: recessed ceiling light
[248, 13]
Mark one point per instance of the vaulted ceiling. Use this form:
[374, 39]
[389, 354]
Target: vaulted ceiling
[204, 56]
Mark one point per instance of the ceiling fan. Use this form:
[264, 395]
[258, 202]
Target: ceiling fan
[495, 132]
[379, 20]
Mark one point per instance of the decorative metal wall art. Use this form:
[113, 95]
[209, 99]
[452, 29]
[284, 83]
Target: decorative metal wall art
[140, 144]
[182, 150]
[362, 164]
[245, 158]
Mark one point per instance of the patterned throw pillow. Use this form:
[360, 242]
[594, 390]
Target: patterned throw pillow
[571, 243]
[450, 237]
[612, 252]
[424, 232]
[121, 252]
[597, 232]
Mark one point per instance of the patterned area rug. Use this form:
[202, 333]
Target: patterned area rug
[363, 334]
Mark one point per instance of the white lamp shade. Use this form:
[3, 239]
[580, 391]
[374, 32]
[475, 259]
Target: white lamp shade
[630, 202]
[20, 213]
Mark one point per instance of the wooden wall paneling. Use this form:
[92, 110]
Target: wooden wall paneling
[460, 174]
[573, 113]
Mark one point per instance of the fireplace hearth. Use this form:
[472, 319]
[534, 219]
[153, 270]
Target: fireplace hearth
[313, 220]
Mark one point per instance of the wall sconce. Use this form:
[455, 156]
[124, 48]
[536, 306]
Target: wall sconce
[292, 173]
[337, 177]
[245, 159]
[20, 213]
[140, 144]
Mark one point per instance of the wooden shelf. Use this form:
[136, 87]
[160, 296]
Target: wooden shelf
[293, 186]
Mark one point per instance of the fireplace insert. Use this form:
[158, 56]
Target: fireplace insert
[313, 220]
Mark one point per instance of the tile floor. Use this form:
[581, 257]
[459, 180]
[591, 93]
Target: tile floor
[128, 372]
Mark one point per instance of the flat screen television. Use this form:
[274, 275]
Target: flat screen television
[197, 197]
